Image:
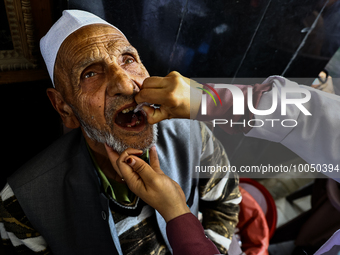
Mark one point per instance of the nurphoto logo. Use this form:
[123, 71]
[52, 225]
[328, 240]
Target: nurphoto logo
[239, 103]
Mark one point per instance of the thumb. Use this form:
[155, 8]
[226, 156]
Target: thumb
[155, 115]
[141, 168]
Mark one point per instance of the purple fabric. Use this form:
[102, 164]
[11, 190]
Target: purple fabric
[186, 237]
[331, 246]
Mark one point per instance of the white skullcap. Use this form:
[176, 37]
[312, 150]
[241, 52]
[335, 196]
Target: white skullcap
[69, 22]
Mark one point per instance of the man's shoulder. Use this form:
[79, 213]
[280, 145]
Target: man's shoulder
[179, 126]
[63, 149]
[178, 140]
[184, 129]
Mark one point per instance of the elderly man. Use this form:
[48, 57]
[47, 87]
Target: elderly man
[71, 199]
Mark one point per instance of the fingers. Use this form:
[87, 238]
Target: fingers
[153, 82]
[151, 89]
[152, 95]
[130, 167]
[154, 161]
[138, 166]
[149, 182]
[173, 93]
[114, 156]
[155, 115]
[157, 82]
[173, 74]
[156, 89]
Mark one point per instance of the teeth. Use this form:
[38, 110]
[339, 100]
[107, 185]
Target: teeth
[128, 125]
[137, 122]
[128, 109]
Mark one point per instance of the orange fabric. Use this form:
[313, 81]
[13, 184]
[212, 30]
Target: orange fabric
[253, 227]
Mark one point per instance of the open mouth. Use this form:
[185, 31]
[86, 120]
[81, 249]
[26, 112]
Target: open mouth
[130, 120]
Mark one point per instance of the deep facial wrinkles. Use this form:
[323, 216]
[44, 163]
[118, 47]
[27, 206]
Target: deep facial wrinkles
[94, 104]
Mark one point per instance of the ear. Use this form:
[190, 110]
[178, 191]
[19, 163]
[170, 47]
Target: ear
[64, 110]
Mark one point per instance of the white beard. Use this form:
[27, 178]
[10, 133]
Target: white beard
[116, 143]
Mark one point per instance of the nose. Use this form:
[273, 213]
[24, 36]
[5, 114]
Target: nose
[121, 83]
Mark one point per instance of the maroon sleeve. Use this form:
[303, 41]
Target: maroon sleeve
[225, 111]
[186, 236]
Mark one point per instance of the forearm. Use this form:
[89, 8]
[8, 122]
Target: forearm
[315, 138]
[186, 236]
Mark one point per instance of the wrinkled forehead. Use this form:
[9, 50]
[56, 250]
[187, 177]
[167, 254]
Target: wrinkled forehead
[87, 45]
[93, 34]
